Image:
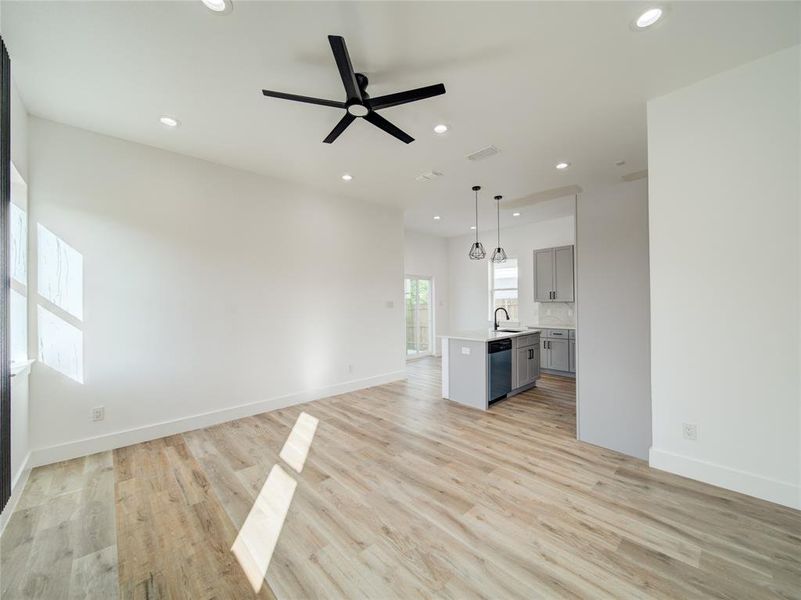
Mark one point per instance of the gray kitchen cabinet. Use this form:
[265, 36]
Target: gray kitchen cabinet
[559, 355]
[543, 275]
[522, 374]
[553, 274]
[557, 352]
[563, 274]
[544, 356]
[572, 355]
[527, 363]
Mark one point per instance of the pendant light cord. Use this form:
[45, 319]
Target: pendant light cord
[498, 205]
[476, 216]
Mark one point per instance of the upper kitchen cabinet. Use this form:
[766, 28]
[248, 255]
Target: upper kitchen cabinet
[553, 274]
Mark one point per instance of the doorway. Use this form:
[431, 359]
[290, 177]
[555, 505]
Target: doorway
[418, 296]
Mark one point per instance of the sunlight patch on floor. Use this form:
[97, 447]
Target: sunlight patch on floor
[297, 445]
[256, 541]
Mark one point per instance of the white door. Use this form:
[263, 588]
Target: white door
[418, 294]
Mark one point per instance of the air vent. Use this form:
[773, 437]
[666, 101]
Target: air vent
[428, 176]
[483, 153]
[636, 175]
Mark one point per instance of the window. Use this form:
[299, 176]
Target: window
[18, 265]
[503, 288]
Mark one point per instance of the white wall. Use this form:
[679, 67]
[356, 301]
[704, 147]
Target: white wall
[724, 225]
[209, 292]
[613, 349]
[427, 255]
[469, 279]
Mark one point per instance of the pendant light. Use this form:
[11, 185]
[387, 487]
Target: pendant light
[498, 255]
[477, 249]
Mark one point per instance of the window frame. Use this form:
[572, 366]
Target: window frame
[493, 289]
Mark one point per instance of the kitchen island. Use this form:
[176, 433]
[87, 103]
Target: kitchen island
[484, 366]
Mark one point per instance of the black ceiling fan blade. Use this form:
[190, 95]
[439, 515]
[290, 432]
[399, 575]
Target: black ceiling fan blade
[408, 96]
[382, 123]
[307, 99]
[342, 57]
[340, 127]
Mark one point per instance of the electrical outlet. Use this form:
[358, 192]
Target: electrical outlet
[689, 431]
[390, 304]
[350, 368]
[98, 413]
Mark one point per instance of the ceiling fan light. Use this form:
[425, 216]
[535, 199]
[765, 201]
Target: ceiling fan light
[498, 255]
[477, 251]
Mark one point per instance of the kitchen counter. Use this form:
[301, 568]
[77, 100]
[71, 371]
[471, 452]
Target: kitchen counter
[552, 326]
[486, 335]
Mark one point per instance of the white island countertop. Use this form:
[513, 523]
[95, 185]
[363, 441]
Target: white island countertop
[487, 335]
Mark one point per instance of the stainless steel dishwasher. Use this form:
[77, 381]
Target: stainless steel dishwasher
[499, 357]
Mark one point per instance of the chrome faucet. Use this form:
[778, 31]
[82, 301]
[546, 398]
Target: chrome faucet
[496, 315]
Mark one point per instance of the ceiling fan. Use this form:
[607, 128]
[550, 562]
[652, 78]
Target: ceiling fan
[358, 102]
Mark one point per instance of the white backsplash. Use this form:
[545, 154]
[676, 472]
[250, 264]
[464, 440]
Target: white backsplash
[555, 313]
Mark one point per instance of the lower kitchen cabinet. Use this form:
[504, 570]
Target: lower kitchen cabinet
[572, 356]
[527, 361]
[557, 352]
[528, 366]
[558, 355]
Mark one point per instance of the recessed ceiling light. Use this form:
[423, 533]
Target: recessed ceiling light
[436, 217]
[648, 18]
[472, 227]
[218, 6]
[562, 165]
[440, 129]
[347, 177]
[169, 121]
[515, 214]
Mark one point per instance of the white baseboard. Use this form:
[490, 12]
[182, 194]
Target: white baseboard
[772, 490]
[16, 491]
[119, 439]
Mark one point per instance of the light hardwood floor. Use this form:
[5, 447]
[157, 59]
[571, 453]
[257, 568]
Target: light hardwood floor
[402, 495]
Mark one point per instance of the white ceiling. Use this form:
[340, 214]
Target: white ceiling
[543, 82]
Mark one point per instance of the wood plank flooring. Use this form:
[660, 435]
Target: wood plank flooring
[402, 495]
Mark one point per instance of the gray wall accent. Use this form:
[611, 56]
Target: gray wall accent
[613, 310]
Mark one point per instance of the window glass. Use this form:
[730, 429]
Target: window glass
[19, 244]
[504, 288]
